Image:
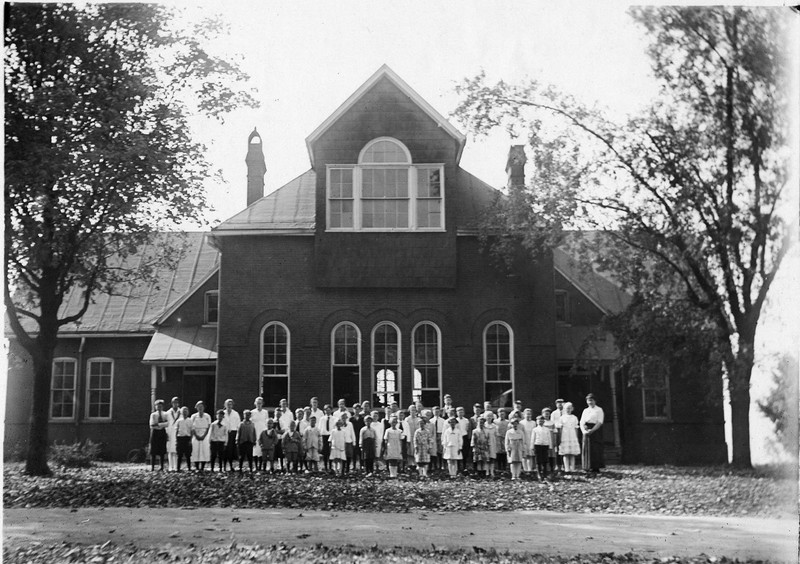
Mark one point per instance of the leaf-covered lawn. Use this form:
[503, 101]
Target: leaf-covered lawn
[109, 552]
[621, 489]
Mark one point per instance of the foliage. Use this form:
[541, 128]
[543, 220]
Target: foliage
[348, 554]
[690, 190]
[619, 490]
[80, 454]
[781, 406]
[98, 157]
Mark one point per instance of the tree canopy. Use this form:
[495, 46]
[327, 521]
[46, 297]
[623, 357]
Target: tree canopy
[99, 156]
[689, 191]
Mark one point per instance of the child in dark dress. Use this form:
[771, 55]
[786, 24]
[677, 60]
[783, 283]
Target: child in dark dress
[292, 443]
[245, 439]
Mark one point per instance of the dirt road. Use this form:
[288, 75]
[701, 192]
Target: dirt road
[533, 531]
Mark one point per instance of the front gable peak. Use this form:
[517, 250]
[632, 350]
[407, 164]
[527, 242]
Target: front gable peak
[384, 72]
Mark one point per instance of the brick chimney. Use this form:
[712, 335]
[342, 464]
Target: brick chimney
[515, 166]
[256, 168]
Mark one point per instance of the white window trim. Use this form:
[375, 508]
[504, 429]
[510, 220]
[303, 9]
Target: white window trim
[438, 357]
[74, 389]
[333, 356]
[660, 418]
[391, 140]
[412, 191]
[205, 307]
[511, 358]
[89, 363]
[288, 374]
[398, 376]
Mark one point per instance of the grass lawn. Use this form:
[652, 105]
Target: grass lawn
[664, 490]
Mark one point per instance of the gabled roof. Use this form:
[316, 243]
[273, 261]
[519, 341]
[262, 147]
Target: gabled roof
[136, 305]
[289, 210]
[386, 72]
[570, 260]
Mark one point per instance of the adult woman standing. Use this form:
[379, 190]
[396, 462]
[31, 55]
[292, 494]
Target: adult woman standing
[591, 426]
[201, 447]
[259, 416]
[569, 447]
[158, 434]
[173, 415]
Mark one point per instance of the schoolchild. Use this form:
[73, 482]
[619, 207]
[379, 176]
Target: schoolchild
[393, 446]
[326, 425]
[502, 428]
[338, 455]
[245, 439]
[491, 430]
[267, 441]
[410, 426]
[570, 445]
[357, 421]
[424, 445]
[377, 426]
[452, 446]
[466, 437]
[480, 447]
[292, 444]
[438, 424]
[219, 440]
[367, 439]
[515, 448]
[349, 440]
[173, 415]
[183, 439]
[259, 416]
[279, 446]
[312, 445]
[550, 425]
[541, 439]
[526, 425]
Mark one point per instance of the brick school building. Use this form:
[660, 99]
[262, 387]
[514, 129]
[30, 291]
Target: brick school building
[364, 279]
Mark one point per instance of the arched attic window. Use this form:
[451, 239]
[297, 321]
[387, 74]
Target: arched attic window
[384, 191]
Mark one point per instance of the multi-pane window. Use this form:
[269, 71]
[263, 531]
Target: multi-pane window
[498, 355]
[385, 191]
[384, 197]
[340, 197]
[429, 197]
[562, 306]
[274, 363]
[62, 389]
[346, 363]
[99, 386]
[655, 391]
[385, 365]
[427, 367]
[212, 307]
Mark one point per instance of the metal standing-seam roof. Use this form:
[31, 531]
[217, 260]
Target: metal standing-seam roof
[136, 305]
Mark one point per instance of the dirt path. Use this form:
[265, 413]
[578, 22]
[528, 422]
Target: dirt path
[534, 531]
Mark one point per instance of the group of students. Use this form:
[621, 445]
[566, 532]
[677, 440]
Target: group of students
[310, 439]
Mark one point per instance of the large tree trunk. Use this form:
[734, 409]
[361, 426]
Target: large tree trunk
[36, 461]
[739, 386]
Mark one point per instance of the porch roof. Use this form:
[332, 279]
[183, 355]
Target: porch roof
[175, 344]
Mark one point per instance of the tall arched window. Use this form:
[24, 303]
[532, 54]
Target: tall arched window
[384, 191]
[498, 364]
[385, 365]
[427, 367]
[275, 363]
[346, 363]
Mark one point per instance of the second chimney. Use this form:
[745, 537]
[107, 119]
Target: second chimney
[515, 166]
[256, 168]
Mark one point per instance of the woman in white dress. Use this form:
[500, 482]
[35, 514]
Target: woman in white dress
[570, 447]
[259, 416]
[173, 415]
[201, 446]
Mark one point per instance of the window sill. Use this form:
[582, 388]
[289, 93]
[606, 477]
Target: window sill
[61, 420]
[657, 420]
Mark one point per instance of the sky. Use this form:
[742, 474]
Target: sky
[305, 59]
